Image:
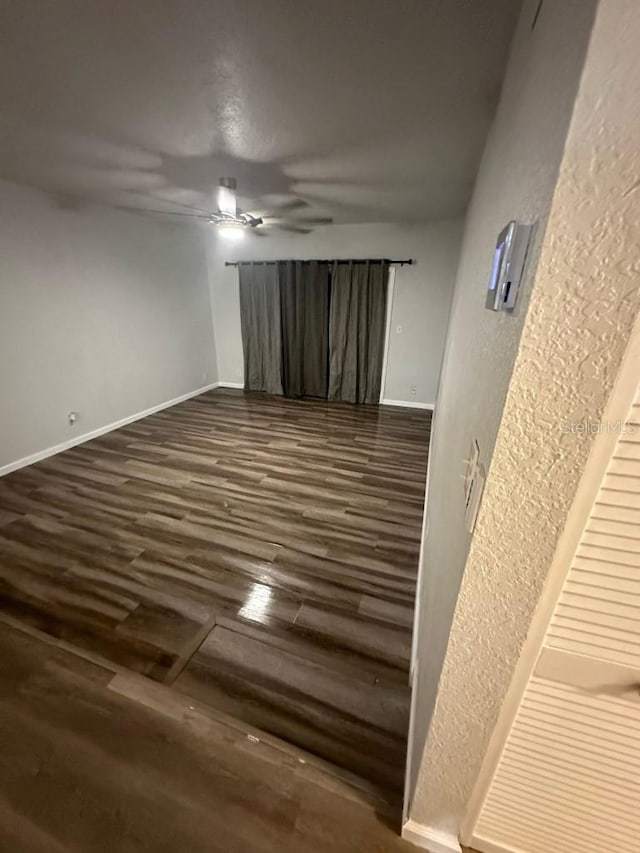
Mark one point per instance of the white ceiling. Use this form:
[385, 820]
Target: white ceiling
[369, 110]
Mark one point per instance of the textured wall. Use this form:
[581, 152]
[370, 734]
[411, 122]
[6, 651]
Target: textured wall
[422, 297]
[101, 312]
[516, 181]
[583, 305]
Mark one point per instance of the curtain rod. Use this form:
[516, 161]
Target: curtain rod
[401, 263]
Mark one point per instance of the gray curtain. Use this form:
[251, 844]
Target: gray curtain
[261, 325]
[356, 331]
[304, 308]
[314, 329]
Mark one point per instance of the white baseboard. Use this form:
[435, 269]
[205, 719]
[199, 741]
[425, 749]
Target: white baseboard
[87, 436]
[407, 404]
[430, 839]
[485, 845]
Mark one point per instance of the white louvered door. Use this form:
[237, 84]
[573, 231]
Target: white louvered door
[568, 779]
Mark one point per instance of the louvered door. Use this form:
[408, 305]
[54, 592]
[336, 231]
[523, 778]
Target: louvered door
[568, 780]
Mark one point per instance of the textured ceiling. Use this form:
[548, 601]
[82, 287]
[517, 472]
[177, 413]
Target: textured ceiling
[368, 110]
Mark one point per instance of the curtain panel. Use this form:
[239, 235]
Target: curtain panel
[304, 308]
[314, 328]
[261, 326]
[356, 330]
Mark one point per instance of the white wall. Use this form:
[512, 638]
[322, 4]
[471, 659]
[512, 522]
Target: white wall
[421, 302]
[516, 180]
[101, 312]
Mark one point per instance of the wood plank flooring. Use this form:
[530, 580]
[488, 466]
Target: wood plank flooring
[94, 761]
[256, 553]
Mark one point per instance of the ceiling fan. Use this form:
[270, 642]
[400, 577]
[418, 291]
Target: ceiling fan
[228, 215]
[230, 218]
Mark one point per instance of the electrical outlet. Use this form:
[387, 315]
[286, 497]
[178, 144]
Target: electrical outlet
[73, 417]
[398, 330]
[413, 390]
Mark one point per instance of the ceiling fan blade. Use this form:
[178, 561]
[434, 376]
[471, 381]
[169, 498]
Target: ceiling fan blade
[294, 204]
[318, 220]
[299, 220]
[158, 198]
[293, 229]
[164, 212]
[282, 207]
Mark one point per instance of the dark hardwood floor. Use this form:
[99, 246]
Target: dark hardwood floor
[255, 553]
[92, 761]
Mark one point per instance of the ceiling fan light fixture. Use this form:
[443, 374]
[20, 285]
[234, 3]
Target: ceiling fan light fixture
[233, 221]
[229, 228]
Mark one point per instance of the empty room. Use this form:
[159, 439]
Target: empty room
[320, 369]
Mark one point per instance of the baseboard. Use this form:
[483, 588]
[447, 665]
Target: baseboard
[430, 839]
[485, 845]
[407, 404]
[87, 436]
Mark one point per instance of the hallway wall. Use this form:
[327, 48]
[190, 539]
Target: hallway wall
[584, 301]
[516, 180]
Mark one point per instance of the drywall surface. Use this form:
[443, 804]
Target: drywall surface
[584, 302]
[102, 312]
[516, 181]
[422, 293]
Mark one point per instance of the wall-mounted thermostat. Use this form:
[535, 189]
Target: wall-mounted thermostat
[508, 264]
